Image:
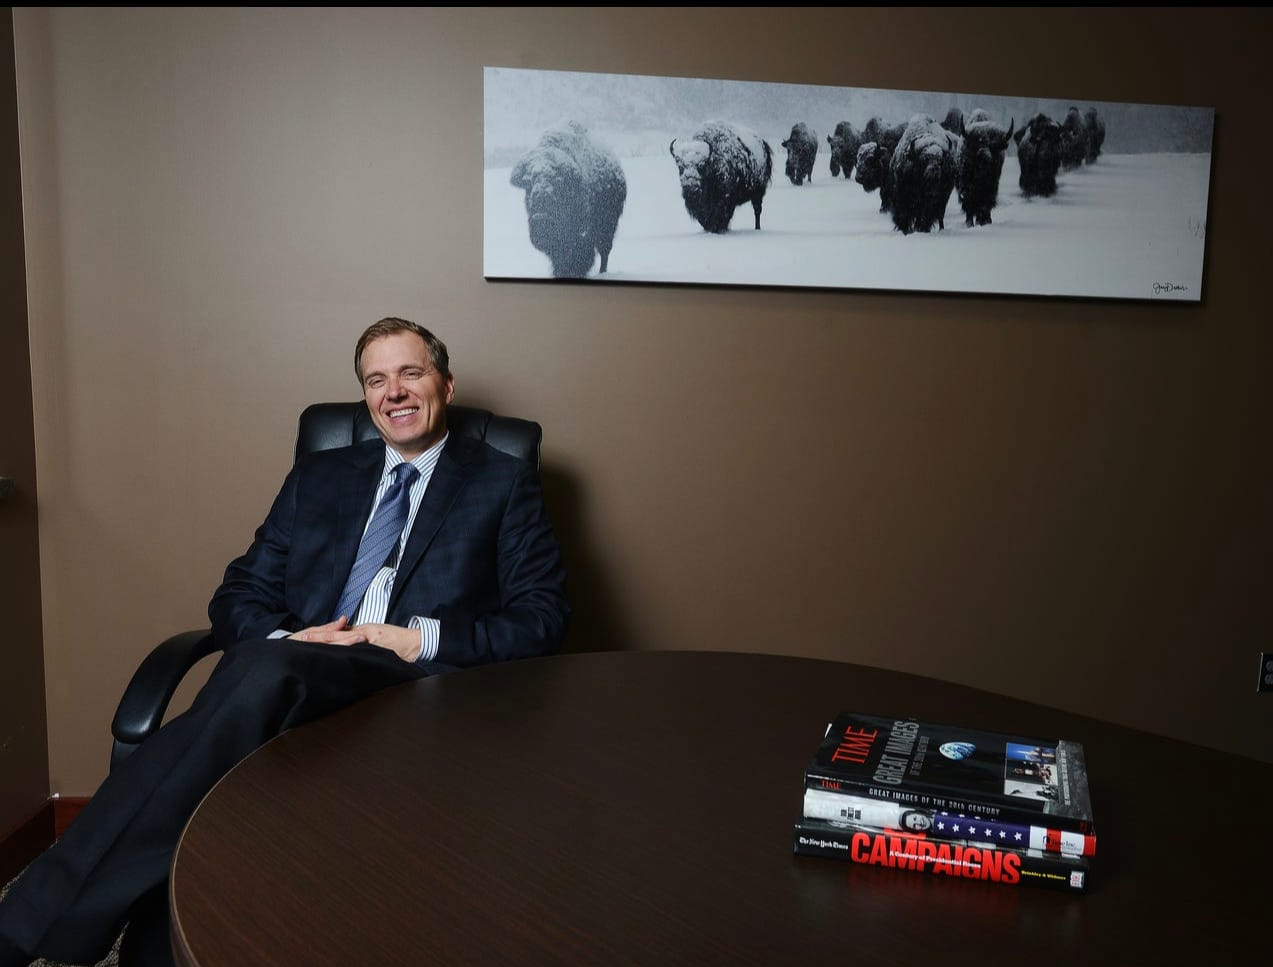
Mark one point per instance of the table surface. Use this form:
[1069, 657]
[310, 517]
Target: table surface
[637, 808]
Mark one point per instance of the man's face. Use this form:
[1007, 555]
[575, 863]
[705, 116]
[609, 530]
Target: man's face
[407, 397]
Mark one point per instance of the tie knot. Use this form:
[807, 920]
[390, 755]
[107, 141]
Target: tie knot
[405, 473]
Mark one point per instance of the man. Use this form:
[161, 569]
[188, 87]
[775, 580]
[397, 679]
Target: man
[365, 600]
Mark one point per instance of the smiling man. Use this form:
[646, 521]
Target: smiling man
[406, 387]
[379, 563]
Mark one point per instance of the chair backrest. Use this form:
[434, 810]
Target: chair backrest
[325, 426]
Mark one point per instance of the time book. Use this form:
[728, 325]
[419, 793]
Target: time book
[987, 775]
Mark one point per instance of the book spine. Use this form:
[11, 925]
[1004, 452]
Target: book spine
[927, 798]
[953, 858]
[843, 807]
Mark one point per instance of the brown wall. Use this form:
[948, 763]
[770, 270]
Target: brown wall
[1064, 500]
[24, 754]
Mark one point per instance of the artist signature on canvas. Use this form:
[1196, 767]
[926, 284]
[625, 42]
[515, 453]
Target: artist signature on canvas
[1161, 288]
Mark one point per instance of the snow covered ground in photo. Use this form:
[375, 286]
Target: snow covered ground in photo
[1128, 226]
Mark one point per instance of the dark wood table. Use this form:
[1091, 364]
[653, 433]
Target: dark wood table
[637, 808]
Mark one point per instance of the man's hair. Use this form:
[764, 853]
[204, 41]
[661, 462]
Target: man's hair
[391, 325]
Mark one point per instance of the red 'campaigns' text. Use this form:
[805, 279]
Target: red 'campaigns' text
[949, 859]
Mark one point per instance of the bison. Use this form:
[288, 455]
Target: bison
[844, 148]
[923, 170]
[1039, 154]
[980, 165]
[802, 149]
[1095, 134]
[875, 157]
[721, 167]
[954, 121]
[1073, 140]
[575, 192]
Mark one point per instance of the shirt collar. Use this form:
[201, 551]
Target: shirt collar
[423, 462]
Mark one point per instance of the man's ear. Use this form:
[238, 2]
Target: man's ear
[450, 388]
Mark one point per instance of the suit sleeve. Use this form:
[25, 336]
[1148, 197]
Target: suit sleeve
[532, 612]
[251, 601]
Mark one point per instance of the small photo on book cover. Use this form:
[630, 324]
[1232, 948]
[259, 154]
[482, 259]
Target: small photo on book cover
[1030, 771]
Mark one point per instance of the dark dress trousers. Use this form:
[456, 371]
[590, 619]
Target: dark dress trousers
[481, 558]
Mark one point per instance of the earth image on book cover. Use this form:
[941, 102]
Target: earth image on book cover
[996, 764]
[952, 758]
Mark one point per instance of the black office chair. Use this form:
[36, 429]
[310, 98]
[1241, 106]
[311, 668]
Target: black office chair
[323, 426]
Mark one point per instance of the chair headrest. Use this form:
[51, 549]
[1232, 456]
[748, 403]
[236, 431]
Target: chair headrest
[325, 426]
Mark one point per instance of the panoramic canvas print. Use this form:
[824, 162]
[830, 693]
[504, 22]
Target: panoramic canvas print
[619, 177]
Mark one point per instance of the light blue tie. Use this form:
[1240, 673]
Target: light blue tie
[381, 538]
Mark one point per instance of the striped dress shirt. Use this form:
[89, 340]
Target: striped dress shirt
[375, 603]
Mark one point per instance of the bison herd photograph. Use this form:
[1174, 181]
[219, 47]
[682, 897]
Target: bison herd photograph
[612, 177]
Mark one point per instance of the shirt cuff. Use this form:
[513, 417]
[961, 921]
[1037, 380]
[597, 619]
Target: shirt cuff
[281, 633]
[430, 632]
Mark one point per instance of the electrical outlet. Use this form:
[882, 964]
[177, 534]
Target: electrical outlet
[1266, 672]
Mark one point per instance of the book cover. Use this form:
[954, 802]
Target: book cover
[846, 808]
[988, 775]
[918, 853]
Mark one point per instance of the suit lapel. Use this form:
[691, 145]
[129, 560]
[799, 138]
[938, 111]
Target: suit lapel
[356, 489]
[449, 478]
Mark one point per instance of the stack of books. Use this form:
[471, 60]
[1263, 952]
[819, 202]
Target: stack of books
[949, 801]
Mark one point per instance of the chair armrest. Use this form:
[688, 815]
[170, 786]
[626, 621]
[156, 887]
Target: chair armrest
[141, 709]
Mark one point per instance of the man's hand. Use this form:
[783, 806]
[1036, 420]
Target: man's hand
[336, 632]
[403, 642]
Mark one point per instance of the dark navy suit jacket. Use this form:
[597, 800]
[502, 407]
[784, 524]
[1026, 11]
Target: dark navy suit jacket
[481, 556]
